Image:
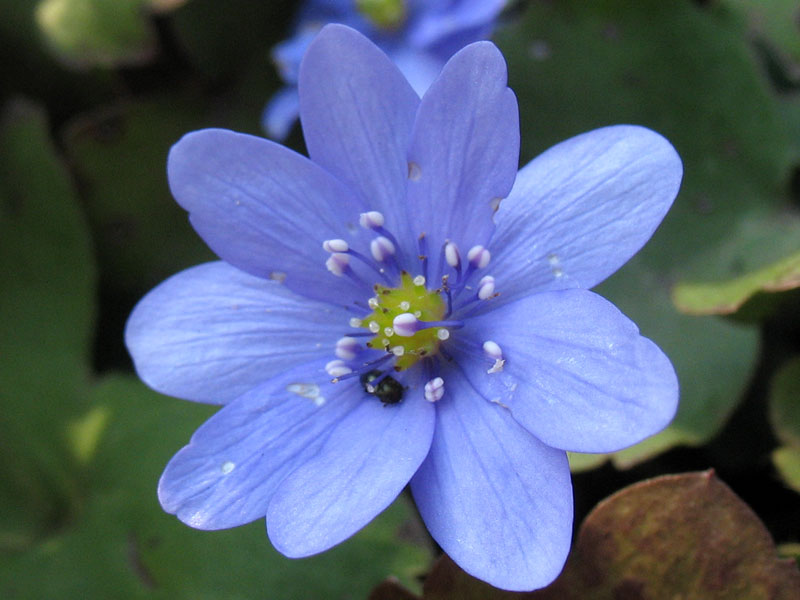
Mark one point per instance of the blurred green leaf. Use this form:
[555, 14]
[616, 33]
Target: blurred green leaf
[120, 156]
[47, 276]
[221, 42]
[784, 415]
[134, 550]
[774, 24]
[726, 297]
[787, 461]
[688, 73]
[87, 33]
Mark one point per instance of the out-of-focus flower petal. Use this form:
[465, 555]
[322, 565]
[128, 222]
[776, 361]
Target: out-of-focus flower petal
[464, 150]
[435, 26]
[364, 464]
[580, 210]
[577, 374]
[357, 111]
[497, 500]
[235, 461]
[420, 68]
[212, 332]
[263, 208]
[280, 113]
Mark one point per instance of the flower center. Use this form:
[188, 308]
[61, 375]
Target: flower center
[391, 305]
[385, 14]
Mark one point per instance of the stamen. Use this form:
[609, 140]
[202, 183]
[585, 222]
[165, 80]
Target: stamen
[478, 257]
[337, 368]
[337, 263]
[347, 348]
[371, 219]
[365, 367]
[381, 248]
[452, 256]
[485, 287]
[374, 220]
[355, 322]
[443, 334]
[493, 351]
[336, 245]
[422, 245]
[419, 280]
[434, 389]
[406, 325]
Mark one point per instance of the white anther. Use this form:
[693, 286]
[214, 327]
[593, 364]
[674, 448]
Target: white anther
[371, 219]
[479, 257]
[485, 287]
[434, 389]
[388, 331]
[492, 350]
[355, 322]
[419, 280]
[347, 348]
[335, 246]
[451, 255]
[374, 327]
[405, 325]
[381, 248]
[405, 305]
[337, 263]
[337, 368]
[373, 302]
[442, 334]
[398, 351]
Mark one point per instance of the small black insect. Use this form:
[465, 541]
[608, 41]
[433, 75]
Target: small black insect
[388, 390]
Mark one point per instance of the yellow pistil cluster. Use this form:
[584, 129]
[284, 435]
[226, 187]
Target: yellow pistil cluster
[410, 297]
[385, 14]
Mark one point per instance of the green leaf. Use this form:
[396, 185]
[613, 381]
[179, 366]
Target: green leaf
[48, 280]
[773, 23]
[784, 415]
[142, 235]
[787, 461]
[88, 33]
[689, 74]
[784, 403]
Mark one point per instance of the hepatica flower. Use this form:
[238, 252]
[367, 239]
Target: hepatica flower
[381, 317]
[418, 35]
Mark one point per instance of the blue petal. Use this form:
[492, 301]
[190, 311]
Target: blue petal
[465, 149]
[264, 208]
[357, 112]
[579, 211]
[435, 26]
[364, 464]
[236, 460]
[212, 332]
[577, 374]
[497, 500]
[280, 113]
[419, 67]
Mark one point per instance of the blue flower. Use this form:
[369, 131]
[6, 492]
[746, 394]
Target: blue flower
[381, 317]
[418, 35]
